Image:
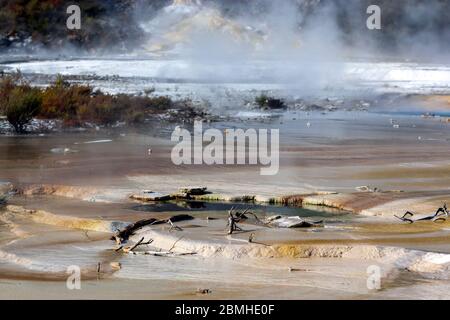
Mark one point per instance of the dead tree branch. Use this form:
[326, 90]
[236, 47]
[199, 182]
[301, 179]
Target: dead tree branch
[437, 217]
[137, 244]
[232, 222]
[122, 235]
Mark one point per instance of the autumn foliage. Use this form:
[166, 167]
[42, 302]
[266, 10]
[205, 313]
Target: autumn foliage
[75, 104]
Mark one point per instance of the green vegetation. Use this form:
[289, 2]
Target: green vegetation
[23, 104]
[105, 24]
[75, 104]
[266, 102]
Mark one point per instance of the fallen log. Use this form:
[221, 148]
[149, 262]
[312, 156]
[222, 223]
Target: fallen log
[123, 235]
[437, 217]
[178, 218]
[163, 253]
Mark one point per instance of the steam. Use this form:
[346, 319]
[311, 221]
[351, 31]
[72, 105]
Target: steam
[411, 28]
[299, 46]
[430, 39]
[272, 45]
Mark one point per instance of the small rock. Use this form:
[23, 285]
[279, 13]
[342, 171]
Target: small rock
[292, 222]
[204, 291]
[116, 265]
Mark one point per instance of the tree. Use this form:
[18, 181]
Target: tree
[23, 104]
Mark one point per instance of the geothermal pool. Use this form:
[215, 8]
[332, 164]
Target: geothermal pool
[80, 183]
[66, 175]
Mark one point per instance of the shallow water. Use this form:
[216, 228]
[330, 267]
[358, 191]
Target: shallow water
[220, 209]
[335, 151]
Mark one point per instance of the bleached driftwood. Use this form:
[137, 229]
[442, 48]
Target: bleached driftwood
[163, 253]
[137, 244]
[437, 217]
[122, 235]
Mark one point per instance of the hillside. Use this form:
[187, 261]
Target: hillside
[35, 24]
[119, 26]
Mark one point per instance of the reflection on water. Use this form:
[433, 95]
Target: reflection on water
[221, 209]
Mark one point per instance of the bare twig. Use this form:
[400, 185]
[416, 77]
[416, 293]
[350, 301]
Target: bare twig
[172, 226]
[174, 244]
[137, 244]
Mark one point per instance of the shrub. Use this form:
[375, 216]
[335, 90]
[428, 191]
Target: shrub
[75, 104]
[134, 117]
[266, 102]
[22, 105]
[60, 82]
[103, 110]
[158, 103]
[261, 100]
[7, 84]
[62, 100]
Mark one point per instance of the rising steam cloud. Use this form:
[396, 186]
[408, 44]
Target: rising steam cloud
[294, 51]
[290, 27]
[302, 45]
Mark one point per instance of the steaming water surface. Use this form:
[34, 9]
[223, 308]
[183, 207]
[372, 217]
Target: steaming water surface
[178, 77]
